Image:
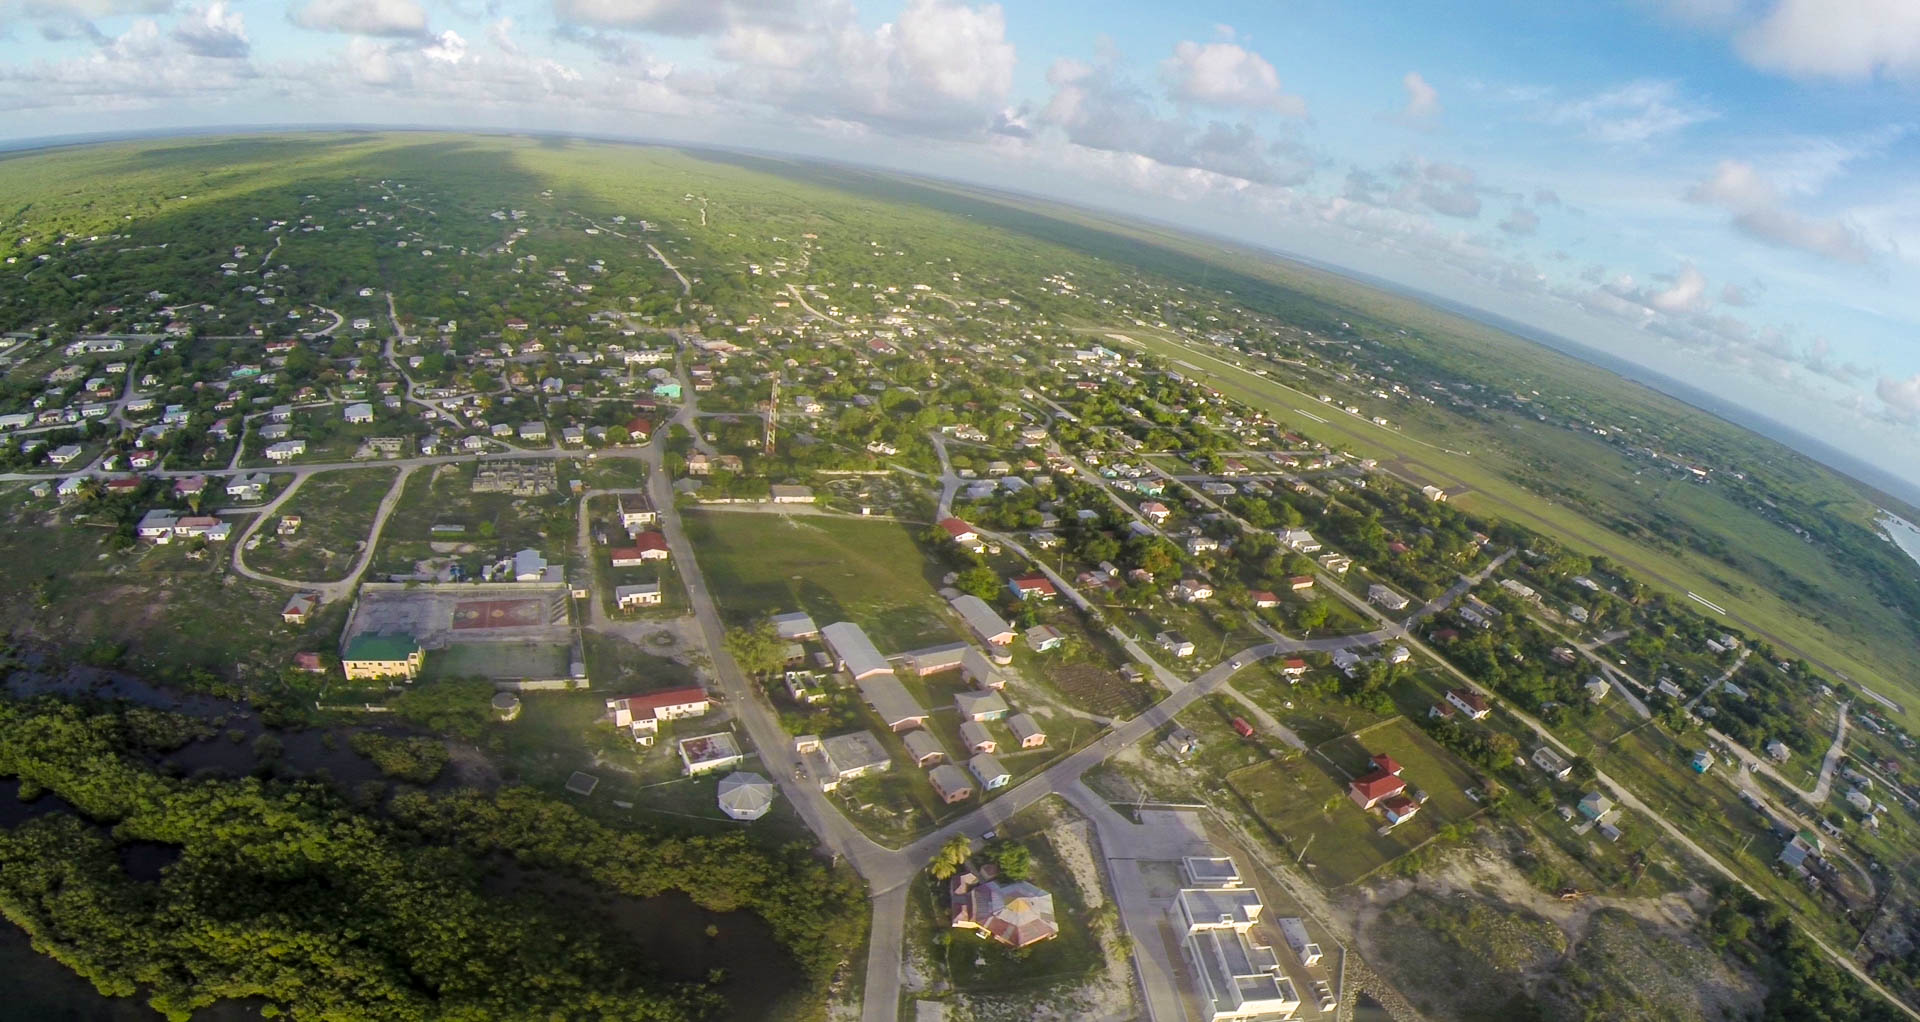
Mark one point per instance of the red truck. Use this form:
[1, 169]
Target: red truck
[1245, 729]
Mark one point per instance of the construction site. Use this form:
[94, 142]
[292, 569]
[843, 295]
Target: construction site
[519, 635]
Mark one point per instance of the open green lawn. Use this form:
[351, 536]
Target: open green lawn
[1868, 641]
[1428, 767]
[867, 572]
[336, 512]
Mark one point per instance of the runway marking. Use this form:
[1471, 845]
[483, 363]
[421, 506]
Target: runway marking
[1702, 601]
[1310, 415]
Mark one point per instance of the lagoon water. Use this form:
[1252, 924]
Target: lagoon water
[1904, 534]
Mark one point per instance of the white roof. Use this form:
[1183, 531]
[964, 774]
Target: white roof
[979, 616]
[745, 795]
[850, 644]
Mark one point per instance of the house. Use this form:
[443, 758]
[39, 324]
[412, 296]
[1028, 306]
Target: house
[1777, 750]
[699, 464]
[528, 566]
[1386, 597]
[1376, 785]
[374, 655]
[950, 783]
[286, 450]
[1015, 914]
[1175, 643]
[1442, 710]
[358, 414]
[1294, 668]
[707, 753]
[1597, 688]
[299, 607]
[248, 486]
[1702, 761]
[1263, 599]
[65, 454]
[1026, 731]
[1398, 809]
[744, 796]
[1299, 540]
[979, 672]
[975, 736]
[1339, 564]
[960, 532]
[1041, 638]
[1032, 587]
[1434, 493]
[948, 656]
[643, 713]
[1155, 511]
[533, 432]
[796, 625]
[852, 651]
[633, 597]
[987, 626]
[1594, 805]
[1469, 702]
[988, 771]
[785, 493]
[1191, 590]
[924, 749]
[1552, 763]
[647, 546]
[980, 705]
[891, 701]
[189, 486]
[1300, 583]
[844, 758]
[1805, 845]
[636, 511]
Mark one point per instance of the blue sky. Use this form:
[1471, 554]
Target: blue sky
[1723, 190]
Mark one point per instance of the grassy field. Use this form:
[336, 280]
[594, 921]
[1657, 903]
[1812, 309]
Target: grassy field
[1301, 801]
[490, 523]
[1867, 644]
[870, 573]
[336, 512]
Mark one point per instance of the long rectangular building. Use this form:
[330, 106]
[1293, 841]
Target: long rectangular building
[853, 651]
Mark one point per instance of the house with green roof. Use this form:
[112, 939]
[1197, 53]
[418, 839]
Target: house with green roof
[377, 655]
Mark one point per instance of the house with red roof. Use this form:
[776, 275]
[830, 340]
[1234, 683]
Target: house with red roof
[1469, 702]
[643, 713]
[1294, 667]
[1377, 785]
[647, 546]
[1263, 598]
[1032, 587]
[960, 532]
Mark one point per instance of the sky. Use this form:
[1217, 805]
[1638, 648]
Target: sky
[1725, 191]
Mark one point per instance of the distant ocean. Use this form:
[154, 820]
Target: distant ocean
[1904, 534]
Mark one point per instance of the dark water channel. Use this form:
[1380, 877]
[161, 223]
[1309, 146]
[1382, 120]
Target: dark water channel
[669, 935]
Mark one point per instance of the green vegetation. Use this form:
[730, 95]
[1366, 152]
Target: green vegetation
[418, 760]
[336, 512]
[867, 572]
[386, 906]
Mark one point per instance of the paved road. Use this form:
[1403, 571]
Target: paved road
[1823, 786]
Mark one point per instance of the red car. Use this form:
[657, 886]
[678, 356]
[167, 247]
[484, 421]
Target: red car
[1245, 729]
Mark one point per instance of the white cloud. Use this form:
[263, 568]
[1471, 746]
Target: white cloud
[364, 17]
[449, 48]
[1687, 293]
[215, 30]
[1902, 397]
[1521, 221]
[1759, 213]
[1849, 39]
[668, 17]
[1225, 74]
[1632, 114]
[141, 68]
[1096, 107]
[940, 67]
[1422, 99]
